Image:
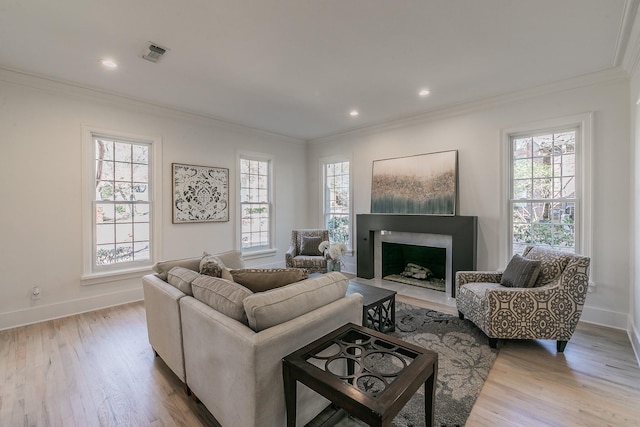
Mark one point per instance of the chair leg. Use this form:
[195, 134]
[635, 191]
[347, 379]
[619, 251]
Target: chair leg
[493, 342]
[560, 345]
[460, 315]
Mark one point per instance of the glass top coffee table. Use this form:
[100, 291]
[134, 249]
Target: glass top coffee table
[366, 373]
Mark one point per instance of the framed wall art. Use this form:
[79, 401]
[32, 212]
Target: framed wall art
[422, 184]
[200, 193]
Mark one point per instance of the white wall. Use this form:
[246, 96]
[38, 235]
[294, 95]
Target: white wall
[40, 191]
[634, 294]
[475, 131]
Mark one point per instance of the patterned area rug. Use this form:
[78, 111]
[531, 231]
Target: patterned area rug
[464, 361]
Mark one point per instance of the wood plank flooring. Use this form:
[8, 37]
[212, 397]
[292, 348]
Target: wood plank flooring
[97, 369]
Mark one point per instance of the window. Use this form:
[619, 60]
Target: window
[337, 201]
[119, 216]
[545, 205]
[255, 203]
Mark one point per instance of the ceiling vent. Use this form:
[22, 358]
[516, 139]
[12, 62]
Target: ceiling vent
[154, 52]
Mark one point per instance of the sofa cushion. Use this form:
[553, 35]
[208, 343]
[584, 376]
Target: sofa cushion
[264, 279]
[211, 265]
[309, 245]
[222, 295]
[182, 278]
[552, 263]
[270, 308]
[163, 267]
[520, 272]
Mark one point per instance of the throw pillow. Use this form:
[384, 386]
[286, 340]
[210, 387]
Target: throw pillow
[211, 265]
[309, 246]
[264, 279]
[222, 295]
[552, 263]
[181, 278]
[267, 309]
[520, 272]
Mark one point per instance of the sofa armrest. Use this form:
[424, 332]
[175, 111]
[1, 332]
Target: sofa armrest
[237, 373]
[162, 309]
[464, 277]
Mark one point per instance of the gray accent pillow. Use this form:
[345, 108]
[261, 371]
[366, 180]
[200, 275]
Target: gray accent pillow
[182, 278]
[222, 295]
[520, 272]
[309, 246]
[264, 279]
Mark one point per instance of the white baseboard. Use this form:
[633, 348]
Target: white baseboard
[612, 319]
[41, 313]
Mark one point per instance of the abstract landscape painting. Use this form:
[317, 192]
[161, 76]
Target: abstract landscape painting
[421, 184]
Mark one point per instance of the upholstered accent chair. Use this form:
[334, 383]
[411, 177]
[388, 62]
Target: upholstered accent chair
[548, 310]
[304, 252]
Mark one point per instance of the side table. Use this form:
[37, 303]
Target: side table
[367, 373]
[378, 306]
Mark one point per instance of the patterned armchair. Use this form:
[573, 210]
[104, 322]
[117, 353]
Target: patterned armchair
[304, 253]
[549, 310]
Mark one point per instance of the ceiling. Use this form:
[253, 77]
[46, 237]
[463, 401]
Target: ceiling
[298, 67]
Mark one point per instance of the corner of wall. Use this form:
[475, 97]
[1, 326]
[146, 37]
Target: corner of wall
[634, 337]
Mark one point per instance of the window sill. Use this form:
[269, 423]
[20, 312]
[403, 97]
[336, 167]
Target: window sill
[113, 276]
[264, 253]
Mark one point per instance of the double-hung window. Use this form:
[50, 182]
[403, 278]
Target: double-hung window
[337, 201]
[120, 188]
[255, 203]
[546, 205]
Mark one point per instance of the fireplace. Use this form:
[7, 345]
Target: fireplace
[457, 235]
[416, 259]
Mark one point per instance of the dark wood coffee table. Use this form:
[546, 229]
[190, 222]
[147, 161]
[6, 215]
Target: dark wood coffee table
[368, 374]
[378, 306]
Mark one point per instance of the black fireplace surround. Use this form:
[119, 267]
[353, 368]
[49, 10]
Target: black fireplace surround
[462, 229]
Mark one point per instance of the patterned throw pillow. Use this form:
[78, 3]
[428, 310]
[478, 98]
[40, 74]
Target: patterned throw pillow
[211, 265]
[309, 246]
[552, 263]
[520, 273]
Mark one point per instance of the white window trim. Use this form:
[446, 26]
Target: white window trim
[90, 276]
[249, 254]
[584, 167]
[323, 161]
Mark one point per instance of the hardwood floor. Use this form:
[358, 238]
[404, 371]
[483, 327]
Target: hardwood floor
[97, 369]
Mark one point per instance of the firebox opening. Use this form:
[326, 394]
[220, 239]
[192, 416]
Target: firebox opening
[423, 266]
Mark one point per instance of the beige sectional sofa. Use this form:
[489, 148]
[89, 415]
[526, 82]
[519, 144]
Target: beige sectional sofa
[226, 343]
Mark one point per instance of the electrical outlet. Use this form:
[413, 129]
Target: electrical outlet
[36, 292]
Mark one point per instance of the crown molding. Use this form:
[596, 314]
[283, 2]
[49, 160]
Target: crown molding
[629, 12]
[78, 91]
[632, 52]
[585, 80]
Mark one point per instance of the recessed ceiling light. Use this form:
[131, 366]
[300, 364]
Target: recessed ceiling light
[424, 92]
[354, 113]
[109, 63]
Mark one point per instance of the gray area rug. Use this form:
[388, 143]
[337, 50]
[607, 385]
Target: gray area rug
[464, 361]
